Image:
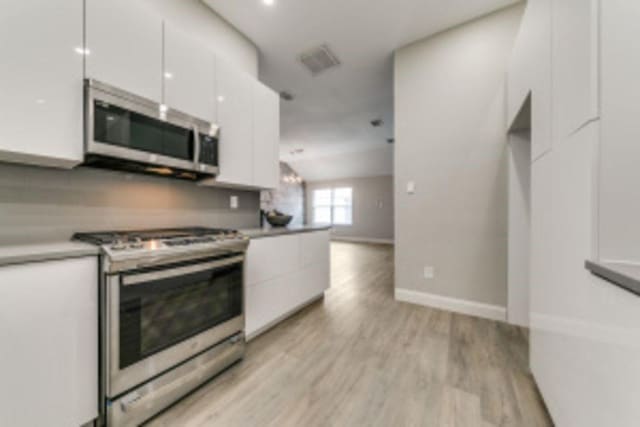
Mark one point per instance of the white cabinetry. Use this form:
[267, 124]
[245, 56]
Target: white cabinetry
[619, 192]
[189, 75]
[41, 82]
[49, 335]
[530, 73]
[266, 137]
[235, 117]
[575, 64]
[48, 47]
[124, 45]
[282, 274]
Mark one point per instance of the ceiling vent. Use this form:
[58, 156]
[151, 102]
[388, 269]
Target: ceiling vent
[319, 59]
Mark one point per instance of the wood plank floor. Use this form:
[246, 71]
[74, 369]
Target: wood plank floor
[359, 358]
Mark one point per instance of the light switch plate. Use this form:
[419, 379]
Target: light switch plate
[233, 202]
[429, 272]
[411, 187]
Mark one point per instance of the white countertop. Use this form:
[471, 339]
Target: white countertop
[268, 231]
[22, 254]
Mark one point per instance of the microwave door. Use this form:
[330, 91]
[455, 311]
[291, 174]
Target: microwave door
[129, 129]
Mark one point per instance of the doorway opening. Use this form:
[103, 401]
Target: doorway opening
[519, 241]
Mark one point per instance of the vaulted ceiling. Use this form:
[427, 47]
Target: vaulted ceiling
[326, 130]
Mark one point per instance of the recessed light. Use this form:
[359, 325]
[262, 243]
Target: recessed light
[221, 98]
[269, 2]
[168, 75]
[82, 51]
[40, 101]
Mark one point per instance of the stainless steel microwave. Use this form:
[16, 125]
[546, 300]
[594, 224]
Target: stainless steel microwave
[126, 132]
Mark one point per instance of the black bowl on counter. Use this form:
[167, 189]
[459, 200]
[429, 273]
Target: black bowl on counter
[278, 220]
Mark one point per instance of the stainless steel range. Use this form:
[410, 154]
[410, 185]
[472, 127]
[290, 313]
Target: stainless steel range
[172, 315]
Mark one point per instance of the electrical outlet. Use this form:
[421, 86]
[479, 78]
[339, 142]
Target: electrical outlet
[233, 202]
[429, 272]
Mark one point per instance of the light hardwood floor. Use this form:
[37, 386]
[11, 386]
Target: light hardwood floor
[359, 358]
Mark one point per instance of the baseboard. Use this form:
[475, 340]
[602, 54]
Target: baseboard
[362, 240]
[470, 308]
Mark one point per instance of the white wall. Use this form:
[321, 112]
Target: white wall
[451, 141]
[585, 332]
[372, 207]
[198, 20]
[519, 228]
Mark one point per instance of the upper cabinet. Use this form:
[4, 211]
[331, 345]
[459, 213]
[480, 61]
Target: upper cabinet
[124, 46]
[189, 75]
[266, 137]
[235, 117]
[127, 45]
[41, 82]
[575, 59]
[619, 150]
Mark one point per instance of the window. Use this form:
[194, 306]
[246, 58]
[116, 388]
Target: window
[333, 206]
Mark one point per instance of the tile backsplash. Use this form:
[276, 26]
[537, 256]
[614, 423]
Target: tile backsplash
[41, 204]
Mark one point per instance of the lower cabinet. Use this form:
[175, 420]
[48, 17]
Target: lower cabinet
[274, 293]
[49, 336]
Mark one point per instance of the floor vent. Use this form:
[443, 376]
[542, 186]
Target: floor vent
[319, 59]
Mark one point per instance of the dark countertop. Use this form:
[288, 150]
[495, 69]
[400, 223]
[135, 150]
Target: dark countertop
[258, 233]
[624, 275]
[27, 253]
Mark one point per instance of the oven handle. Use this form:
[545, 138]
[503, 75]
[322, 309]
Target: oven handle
[137, 279]
[198, 146]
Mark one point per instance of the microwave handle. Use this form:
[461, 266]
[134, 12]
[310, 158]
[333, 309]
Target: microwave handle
[197, 142]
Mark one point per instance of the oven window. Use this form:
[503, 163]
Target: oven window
[158, 314]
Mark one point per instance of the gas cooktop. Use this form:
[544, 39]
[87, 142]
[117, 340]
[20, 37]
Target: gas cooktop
[173, 235]
[164, 245]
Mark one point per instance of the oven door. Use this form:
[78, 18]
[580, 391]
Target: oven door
[161, 317]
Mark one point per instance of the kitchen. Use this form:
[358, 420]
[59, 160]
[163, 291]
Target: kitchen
[125, 348]
[203, 223]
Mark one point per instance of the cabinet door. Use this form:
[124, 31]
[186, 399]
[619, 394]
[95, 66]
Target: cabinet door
[267, 302]
[575, 64]
[272, 257]
[124, 44]
[189, 75]
[41, 82]
[266, 137]
[49, 335]
[314, 248]
[235, 117]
